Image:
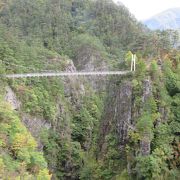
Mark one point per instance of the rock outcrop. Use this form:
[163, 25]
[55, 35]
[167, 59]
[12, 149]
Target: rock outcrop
[147, 90]
[73, 85]
[120, 114]
[117, 113]
[92, 60]
[145, 143]
[74, 90]
[123, 112]
[33, 124]
[11, 98]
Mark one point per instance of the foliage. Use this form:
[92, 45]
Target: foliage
[154, 70]
[39, 35]
[91, 169]
[145, 125]
[128, 58]
[20, 157]
[85, 41]
[62, 154]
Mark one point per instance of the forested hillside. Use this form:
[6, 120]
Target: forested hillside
[95, 128]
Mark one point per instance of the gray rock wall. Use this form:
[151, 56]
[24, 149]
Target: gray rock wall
[145, 143]
[117, 113]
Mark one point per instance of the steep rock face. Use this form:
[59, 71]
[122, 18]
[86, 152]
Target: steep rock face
[145, 142]
[73, 86]
[74, 91]
[147, 90]
[123, 109]
[33, 124]
[90, 60]
[118, 113]
[11, 98]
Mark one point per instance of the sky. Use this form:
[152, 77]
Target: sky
[144, 9]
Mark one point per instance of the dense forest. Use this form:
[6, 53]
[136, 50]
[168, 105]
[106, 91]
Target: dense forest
[79, 128]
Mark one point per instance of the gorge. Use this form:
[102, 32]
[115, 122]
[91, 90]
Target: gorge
[86, 127]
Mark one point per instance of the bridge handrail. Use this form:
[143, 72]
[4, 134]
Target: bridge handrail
[53, 74]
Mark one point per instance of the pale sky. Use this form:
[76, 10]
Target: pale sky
[143, 9]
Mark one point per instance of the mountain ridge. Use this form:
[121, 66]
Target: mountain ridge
[168, 19]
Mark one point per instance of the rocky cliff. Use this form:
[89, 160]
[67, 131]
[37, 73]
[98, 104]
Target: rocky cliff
[117, 112]
[118, 132]
[119, 117]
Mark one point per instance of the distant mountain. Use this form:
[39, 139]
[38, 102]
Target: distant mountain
[169, 19]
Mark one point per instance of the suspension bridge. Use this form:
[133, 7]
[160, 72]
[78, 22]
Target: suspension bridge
[83, 73]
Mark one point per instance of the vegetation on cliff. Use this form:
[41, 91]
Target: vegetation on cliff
[128, 131]
[19, 156]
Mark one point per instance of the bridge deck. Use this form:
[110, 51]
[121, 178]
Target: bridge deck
[54, 74]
